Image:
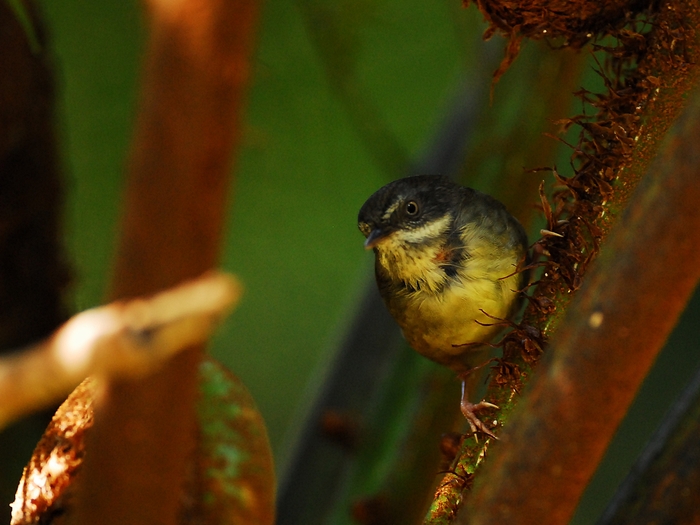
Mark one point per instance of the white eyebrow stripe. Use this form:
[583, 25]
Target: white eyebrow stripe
[427, 231]
[389, 211]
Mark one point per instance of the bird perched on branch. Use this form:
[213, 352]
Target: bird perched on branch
[447, 264]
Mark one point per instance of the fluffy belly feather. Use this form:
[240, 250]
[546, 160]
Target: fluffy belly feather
[439, 325]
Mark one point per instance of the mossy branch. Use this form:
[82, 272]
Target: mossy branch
[603, 349]
[647, 74]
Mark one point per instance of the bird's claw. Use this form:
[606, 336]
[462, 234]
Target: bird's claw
[469, 410]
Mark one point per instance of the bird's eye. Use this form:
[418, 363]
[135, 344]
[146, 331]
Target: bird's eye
[412, 208]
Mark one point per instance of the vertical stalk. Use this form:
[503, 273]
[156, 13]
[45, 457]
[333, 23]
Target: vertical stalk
[195, 72]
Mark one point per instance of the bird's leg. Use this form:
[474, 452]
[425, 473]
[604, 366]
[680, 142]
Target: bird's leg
[470, 410]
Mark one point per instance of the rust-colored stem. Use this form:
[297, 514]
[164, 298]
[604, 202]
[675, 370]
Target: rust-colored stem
[195, 73]
[603, 350]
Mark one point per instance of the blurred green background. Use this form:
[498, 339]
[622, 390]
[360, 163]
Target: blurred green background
[305, 167]
[300, 178]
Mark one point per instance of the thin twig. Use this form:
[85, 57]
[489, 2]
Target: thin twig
[124, 338]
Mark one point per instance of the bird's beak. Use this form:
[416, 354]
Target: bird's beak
[375, 237]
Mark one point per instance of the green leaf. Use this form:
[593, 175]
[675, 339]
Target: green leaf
[235, 462]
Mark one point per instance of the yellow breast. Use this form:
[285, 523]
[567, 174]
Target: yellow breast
[440, 314]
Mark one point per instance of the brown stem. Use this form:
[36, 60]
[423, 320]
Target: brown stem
[603, 351]
[195, 72]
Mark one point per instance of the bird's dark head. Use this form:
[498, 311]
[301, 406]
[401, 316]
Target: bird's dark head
[410, 211]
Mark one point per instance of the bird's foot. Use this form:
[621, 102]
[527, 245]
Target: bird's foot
[470, 410]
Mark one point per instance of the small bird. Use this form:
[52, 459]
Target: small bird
[447, 264]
